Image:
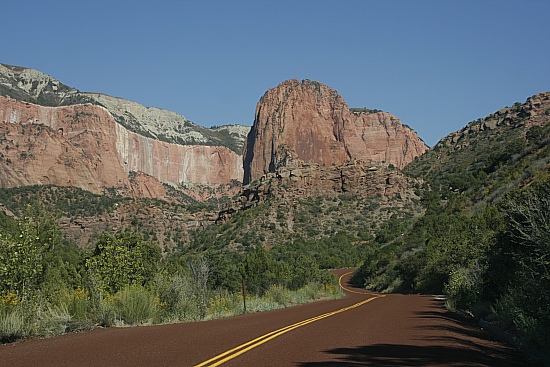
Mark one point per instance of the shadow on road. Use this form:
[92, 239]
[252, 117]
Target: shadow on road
[457, 341]
[390, 355]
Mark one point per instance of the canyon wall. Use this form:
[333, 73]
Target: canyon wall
[82, 145]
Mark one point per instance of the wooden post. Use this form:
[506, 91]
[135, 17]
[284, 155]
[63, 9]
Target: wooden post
[244, 295]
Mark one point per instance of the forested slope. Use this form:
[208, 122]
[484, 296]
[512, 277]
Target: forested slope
[484, 238]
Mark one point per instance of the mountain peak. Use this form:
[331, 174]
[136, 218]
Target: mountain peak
[311, 121]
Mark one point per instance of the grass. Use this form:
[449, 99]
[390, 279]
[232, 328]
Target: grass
[14, 325]
[137, 305]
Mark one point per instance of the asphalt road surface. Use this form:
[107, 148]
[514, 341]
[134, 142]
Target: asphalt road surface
[362, 329]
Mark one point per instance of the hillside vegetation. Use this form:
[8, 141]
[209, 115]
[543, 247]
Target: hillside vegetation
[484, 238]
[48, 286]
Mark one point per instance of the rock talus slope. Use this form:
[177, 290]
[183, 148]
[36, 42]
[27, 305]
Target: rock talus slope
[310, 121]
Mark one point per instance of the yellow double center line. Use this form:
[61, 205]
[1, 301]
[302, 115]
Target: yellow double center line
[243, 348]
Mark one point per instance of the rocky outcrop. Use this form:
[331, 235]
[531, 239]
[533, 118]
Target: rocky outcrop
[29, 85]
[534, 112]
[312, 122]
[82, 145]
[299, 180]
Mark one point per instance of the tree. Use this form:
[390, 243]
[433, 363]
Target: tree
[261, 271]
[304, 270]
[224, 272]
[123, 259]
[27, 252]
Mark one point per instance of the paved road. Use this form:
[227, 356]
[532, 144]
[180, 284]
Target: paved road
[362, 329]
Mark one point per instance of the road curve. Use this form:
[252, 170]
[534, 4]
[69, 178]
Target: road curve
[362, 329]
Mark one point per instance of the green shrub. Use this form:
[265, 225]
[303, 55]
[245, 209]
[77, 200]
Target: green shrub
[279, 295]
[135, 305]
[77, 302]
[223, 304]
[528, 327]
[105, 311]
[175, 298]
[511, 314]
[260, 304]
[462, 289]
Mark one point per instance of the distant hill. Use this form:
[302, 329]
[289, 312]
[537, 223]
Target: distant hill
[465, 174]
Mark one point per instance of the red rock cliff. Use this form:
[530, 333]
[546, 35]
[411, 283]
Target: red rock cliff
[82, 145]
[312, 122]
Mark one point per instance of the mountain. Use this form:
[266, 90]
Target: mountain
[307, 159]
[469, 178]
[310, 121]
[490, 155]
[29, 85]
[54, 134]
[58, 135]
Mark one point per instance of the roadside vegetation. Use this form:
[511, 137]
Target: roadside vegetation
[49, 286]
[484, 238]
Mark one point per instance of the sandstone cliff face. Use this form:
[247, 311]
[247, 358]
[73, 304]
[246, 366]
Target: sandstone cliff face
[207, 165]
[68, 146]
[29, 85]
[168, 126]
[312, 122]
[82, 145]
[381, 137]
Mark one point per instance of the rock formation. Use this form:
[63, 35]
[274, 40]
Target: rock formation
[29, 85]
[534, 112]
[299, 180]
[54, 134]
[310, 121]
[82, 145]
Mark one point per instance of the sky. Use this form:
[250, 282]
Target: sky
[435, 64]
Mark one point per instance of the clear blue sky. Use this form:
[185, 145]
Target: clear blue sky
[434, 64]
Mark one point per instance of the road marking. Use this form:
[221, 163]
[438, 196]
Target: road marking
[243, 348]
[351, 290]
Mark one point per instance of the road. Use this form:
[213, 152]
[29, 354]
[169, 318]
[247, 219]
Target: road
[362, 329]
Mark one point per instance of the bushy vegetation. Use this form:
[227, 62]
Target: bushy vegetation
[74, 202]
[336, 231]
[110, 212]
[483, 240]
[49, 286]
